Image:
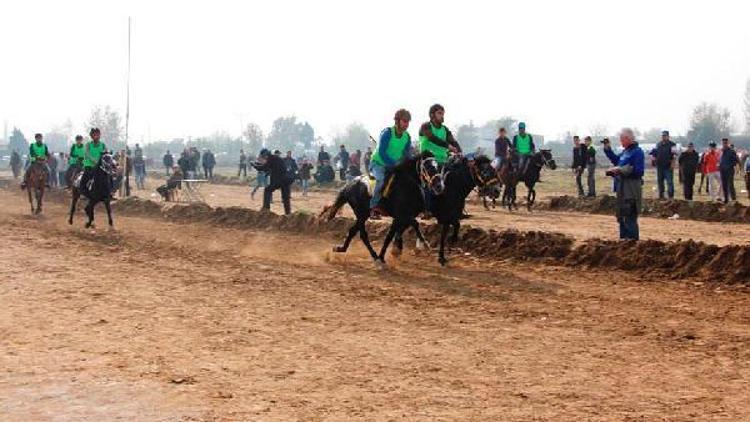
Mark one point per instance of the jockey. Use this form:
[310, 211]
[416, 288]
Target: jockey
[76, 157]
[523, 145]
[393, 147]
[38, 153]
[92, 154]
[436, 138]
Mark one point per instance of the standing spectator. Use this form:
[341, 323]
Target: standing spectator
[305, 171]
[324, 158]
[15, 164]
[628, 172]
[663, 159]
[139, 167]
[52, 175]
[727, 165]
[747, 176]
[355, 164]
[243, 164]
[275, 167]
[61, 170]
[368, 158]
[209, 161]
[590, 167]
[184, 163]
[291, 166]
[168, 161]
[502, 149]
[711, 168]
[138, 152]
[688, 162]
[343, 161]
[579, 163]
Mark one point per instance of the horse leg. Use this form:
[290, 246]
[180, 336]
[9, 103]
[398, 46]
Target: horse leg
[73, 204]
[109, 213]
[398, 244]
[39, 197]
[388, 238]
[90, 214]
[366, 240]
[454, 236]
[352, 232]
[421, 242]
[441, 255]
[31, 199]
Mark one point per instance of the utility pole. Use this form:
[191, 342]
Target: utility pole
[127, 122]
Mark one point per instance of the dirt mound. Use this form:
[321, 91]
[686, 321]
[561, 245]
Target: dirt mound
[137, 206]
[696, 210]
[670, 260]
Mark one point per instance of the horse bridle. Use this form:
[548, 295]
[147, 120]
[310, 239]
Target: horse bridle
[425, 176]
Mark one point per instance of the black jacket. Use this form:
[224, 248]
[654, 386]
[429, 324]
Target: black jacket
[276, 168]
[663, 153]
[689, 162]
[580, 156]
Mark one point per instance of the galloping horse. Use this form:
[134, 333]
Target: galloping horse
[460, 176]
[36, 181]
[97, 189]
[537, 161]
[404, 202]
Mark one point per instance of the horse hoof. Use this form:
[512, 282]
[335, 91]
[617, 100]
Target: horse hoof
[443, 261]
[339, 249]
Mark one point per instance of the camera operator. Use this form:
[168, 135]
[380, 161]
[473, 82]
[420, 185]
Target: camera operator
[628, 173]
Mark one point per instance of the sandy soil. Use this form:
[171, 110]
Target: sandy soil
[158, 321]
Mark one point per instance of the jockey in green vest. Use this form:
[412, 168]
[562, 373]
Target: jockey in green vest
[94, 151]
[38, 154]
[523, 145]
[436, 138]
[77, 153]
[393, 147]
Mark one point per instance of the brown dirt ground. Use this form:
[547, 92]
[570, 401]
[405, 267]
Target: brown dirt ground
[163, 321]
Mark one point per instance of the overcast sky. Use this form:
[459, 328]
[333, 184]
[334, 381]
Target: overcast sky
[199, 68]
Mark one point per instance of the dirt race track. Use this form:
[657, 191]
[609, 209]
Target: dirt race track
[170, 321]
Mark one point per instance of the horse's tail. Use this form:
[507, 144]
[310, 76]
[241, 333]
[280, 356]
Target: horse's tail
[330, 210]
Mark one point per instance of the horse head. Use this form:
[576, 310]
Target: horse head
[482, 171]
[108, 163]
[430, 175]
[547, 159]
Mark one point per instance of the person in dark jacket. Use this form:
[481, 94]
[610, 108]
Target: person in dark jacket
[343, 161]
[305, 173]
[727, 166]
[688, 162]
[590, 167]
[324, 158]
[292, 169]
[274, 166]
[663, 156]
[502, 149]
[168, 162]
[209, 162]
[579, 163]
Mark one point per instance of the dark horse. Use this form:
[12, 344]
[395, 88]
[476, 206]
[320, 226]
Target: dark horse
[36, 182]
[460, 176]
[537, 161]
[97, 189]
[404, 202]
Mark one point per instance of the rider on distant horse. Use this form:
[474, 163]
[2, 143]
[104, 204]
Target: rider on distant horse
[38, 154]
[75, 160]
[394, 146]
[523, 144]
[92, 154]
[502, 150]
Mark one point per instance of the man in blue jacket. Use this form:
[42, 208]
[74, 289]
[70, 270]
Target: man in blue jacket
[628, 173]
